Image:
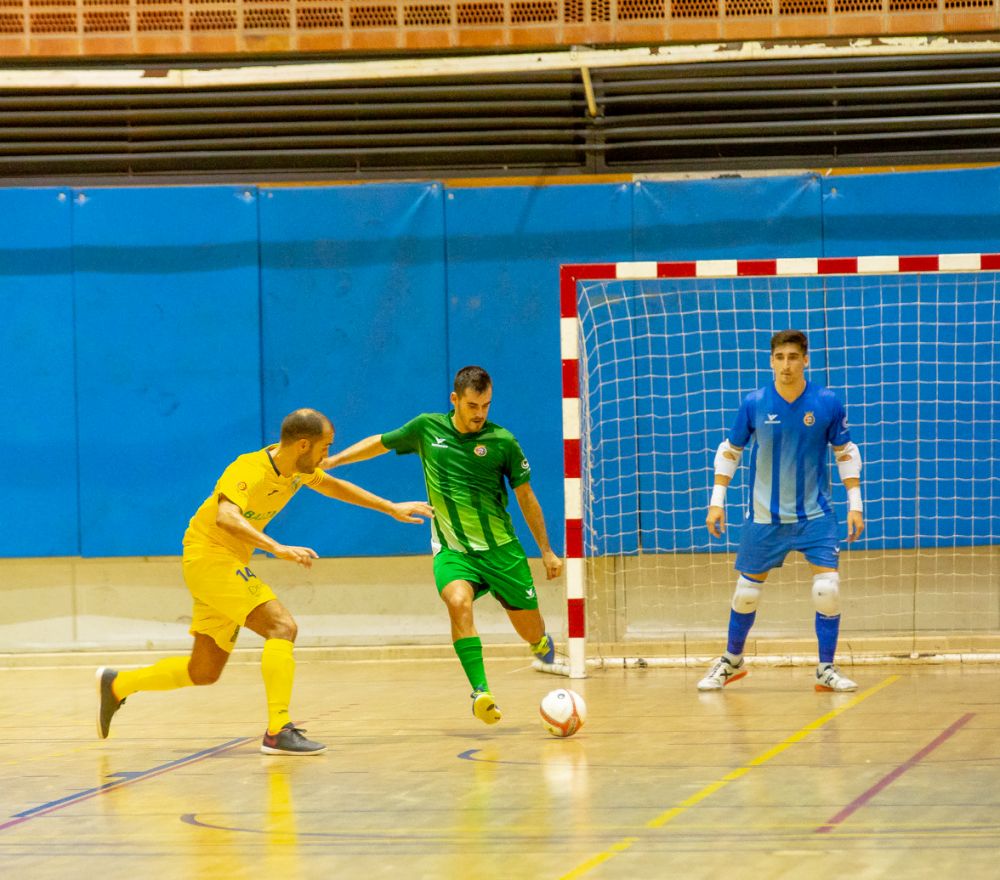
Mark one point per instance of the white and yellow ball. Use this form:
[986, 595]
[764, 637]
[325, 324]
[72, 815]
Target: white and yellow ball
[563, 712]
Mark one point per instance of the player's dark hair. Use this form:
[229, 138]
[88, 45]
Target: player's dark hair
[475, 378]
[790, 337]
[304, 424]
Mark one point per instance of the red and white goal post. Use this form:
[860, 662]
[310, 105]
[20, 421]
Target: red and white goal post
[656, 357]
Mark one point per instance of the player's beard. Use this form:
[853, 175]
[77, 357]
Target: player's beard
[468, 426]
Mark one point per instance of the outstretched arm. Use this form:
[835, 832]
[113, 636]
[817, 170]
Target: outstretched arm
[363, 449]
[404, 511]
[230, 519]
[848, 459]
[532, 512]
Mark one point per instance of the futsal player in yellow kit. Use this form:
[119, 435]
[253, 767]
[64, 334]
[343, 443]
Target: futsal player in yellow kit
[218, 544]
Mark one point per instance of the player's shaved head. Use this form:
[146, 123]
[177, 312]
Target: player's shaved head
[790, 337]
[304, 424]
[472, 379]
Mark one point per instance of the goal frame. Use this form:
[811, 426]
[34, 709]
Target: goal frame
[569, 323]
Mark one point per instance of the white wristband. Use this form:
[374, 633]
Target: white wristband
[854, 499]
[718, 496]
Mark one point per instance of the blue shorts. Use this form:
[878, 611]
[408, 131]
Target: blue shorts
[764, 546]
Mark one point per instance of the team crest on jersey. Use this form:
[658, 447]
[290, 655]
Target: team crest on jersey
[809, 419]
[241, 486]
[480, 451]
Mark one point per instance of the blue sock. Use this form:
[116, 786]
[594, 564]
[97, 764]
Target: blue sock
[827, 632]
[739, 629]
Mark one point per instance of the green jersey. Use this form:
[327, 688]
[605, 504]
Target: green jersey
[465, 476]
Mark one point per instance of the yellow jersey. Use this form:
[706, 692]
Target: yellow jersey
[253, 483]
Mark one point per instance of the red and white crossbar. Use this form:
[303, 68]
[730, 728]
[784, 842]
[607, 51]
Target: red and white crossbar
[792, 266]
[569, 275]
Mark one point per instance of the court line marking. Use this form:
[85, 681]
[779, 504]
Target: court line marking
[671, 814]
[127, 778]
[893, 775]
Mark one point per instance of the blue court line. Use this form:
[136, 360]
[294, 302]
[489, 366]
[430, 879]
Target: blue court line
[124, 778]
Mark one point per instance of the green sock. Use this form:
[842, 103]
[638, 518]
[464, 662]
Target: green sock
[470, 655]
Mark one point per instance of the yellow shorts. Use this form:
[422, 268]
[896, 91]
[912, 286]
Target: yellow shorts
[225, 591]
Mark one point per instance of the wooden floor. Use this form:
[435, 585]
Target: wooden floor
[767, 780]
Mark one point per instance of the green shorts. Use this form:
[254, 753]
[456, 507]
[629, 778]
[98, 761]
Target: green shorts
[504, 572]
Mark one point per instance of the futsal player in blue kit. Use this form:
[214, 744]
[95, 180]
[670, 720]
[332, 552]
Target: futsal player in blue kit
[791, 421]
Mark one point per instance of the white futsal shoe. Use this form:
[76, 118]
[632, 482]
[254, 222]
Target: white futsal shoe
[829, 679]
[721, 674]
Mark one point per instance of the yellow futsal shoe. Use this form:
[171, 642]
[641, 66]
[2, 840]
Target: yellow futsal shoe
[545, 649]
[484, 707]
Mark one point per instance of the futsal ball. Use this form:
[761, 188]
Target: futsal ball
[563, 712]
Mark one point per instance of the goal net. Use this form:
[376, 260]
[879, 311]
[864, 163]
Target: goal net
[656, 360]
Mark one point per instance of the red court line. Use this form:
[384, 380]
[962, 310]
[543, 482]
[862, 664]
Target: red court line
[129, 779]
[889, 778]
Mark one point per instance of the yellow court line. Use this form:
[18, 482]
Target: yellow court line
[732, 776]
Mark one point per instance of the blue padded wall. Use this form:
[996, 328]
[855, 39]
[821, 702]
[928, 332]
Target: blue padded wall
[745, 218]
[168, 353]
[38, 417]
[201, 315]
[919, 212]
[505, 246]
[353, 316]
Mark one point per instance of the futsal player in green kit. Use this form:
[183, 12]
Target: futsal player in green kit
[466, 461]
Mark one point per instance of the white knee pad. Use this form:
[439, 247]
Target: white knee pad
[826, 593]
[746, 596]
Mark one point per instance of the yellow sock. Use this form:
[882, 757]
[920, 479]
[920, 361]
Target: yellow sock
[164, 675]
[277, 665]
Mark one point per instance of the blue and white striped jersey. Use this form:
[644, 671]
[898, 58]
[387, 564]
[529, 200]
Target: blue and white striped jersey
[788, 460]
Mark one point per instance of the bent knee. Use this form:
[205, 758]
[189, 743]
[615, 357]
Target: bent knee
[458, 609]
[286, 629]
[457, 600]
[204, 676]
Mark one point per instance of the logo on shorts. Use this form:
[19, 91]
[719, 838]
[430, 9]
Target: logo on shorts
[480, 451]
[809, 419]
[530, 592]
[524, 465]
[241, 486]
